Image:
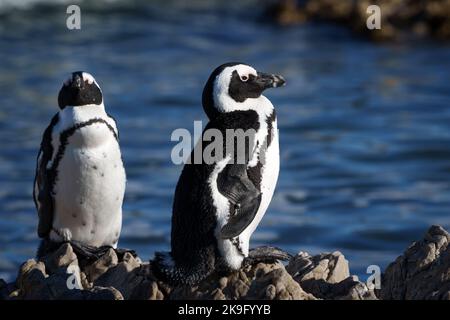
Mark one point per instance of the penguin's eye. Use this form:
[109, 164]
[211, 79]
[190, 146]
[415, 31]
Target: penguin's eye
[244, 78]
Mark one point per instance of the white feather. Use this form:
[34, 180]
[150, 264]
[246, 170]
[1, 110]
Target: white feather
[90, 185]
[227, 250]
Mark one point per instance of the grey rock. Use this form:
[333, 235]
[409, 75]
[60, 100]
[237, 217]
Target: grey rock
[327, 276]
[422, 272]
[276, 284]
[62, 257]
[125, 276]
[53, 276]
[260, 281]
[331, 267]
[100, 266]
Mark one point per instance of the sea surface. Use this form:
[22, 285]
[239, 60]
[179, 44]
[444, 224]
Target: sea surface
[364, 127]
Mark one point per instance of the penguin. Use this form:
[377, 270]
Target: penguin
[217, 206]
[80, 178]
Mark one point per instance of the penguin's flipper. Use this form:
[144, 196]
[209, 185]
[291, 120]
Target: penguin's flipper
[43, 182]
[234, 183]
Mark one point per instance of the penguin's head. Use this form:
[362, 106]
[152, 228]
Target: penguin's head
[232, 86]
[79, 89]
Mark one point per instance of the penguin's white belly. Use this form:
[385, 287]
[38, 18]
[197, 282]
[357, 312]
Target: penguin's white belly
[89, 188]
[231, 249]
[269, 178]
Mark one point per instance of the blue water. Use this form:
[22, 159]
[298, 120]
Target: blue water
[364, 127]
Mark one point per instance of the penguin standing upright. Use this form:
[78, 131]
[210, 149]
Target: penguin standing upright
[80, 178]
[217, 206]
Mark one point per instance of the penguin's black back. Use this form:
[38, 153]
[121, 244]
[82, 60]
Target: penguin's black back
[194, 215]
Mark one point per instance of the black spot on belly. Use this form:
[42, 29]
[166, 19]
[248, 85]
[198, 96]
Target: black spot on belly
[237, 244]
[94, 167]
[270, 120]
[84, 223]
[92, 231]
[64, 137]
[74, 215]
[102, 174]
[255, 175]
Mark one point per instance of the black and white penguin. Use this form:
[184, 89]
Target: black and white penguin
[80, 178]
[218, 206]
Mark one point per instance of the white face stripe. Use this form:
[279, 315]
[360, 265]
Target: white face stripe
[222, 99]
[225, 103]
[86, 77]
[222, 82]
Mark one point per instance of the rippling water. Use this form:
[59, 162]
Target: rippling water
[364, 128]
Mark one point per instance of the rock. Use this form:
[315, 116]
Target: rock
[422, 272]
[327, 276]
[125, 276]
[276, 284]
[260, 281]
[58, 276]
[331, 267]
[399, 18]
[61, 258]
[31, 281]
[286, 12]
[100, 266]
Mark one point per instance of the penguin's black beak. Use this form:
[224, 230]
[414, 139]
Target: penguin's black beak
[266, 80]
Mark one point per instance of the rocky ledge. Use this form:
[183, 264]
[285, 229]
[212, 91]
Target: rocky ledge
[399, 18]
[422, 272]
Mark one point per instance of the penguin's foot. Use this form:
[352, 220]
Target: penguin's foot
[88, 253]
[120, 252]
[85, 253]
[266, 254]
